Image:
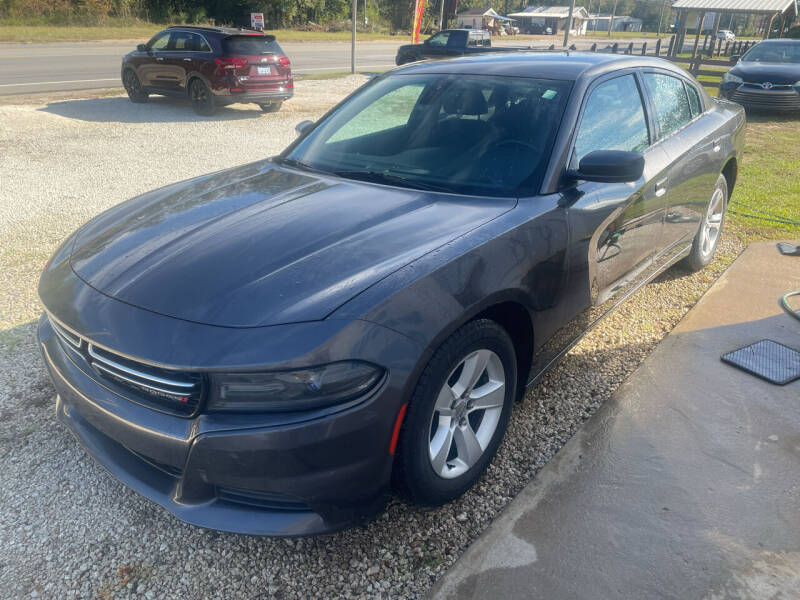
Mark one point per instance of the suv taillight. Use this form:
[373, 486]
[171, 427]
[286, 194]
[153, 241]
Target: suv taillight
[231, 62]
[284, 61]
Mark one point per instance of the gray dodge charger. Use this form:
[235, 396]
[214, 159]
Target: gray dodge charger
[270, 349]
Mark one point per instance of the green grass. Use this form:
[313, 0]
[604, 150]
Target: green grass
[768, 185]
[143, 31]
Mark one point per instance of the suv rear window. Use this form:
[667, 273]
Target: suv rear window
[251, 45]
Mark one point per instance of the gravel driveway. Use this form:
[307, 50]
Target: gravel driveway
[68, 529]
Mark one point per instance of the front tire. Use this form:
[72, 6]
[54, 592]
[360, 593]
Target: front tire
[707, 237]
[458, 413]
[201, 97]
[133, 86]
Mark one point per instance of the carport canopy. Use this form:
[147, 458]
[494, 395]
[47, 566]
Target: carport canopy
[773, 8]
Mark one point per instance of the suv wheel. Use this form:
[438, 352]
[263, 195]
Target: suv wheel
[707, 237]
[270, 107]
[202, 98]
[458, 414]
[134, 87]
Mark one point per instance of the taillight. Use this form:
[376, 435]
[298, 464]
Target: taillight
[232, 62]
[284, 61]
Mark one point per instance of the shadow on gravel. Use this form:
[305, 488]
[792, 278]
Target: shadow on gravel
[156, 110]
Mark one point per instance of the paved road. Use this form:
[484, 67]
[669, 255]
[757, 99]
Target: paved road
[32, 68]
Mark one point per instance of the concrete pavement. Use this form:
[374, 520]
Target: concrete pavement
[684, 485]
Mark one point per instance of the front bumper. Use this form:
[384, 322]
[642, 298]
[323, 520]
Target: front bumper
[240, 473]
[780, 100]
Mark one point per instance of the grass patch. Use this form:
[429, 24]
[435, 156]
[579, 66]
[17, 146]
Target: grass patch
[768, 185]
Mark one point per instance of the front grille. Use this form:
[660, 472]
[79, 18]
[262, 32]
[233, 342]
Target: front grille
[163, 389]
[767, 100]
[777, 87]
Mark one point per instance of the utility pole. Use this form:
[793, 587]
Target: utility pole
[353, 39]
[441, 15]
[611, 22]
[365, 13]
[569, 22]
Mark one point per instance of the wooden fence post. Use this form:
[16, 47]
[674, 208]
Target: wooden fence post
[727, 47]
[644, 48]
[615, 47]
[630, 48]
[671, 44]
[593, 48]
[658, 47]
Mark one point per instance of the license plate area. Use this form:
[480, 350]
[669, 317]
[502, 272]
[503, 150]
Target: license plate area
[267, 70]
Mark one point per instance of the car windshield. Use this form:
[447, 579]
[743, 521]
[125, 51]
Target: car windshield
[774, 52]
[467, 134]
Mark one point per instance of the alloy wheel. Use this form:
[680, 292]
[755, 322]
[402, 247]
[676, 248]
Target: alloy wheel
[712, 222]
[466, 413]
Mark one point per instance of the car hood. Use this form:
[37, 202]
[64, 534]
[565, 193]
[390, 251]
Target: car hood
[262, 245]
[776, 73]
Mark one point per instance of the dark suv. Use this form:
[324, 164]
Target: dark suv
[212, 66]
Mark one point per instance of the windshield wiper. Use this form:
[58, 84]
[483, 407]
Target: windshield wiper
[292, 162]
[389, 178]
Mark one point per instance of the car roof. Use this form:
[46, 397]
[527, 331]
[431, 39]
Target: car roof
[220, 30]
[566, 65]
[782, 40]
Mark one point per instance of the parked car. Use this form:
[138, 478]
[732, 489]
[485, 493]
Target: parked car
[726, 35]
[450, 43]
[767, 77]
[211, 66]
[263, 349]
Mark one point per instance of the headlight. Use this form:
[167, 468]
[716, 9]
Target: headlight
[730, 78]
[283, 391]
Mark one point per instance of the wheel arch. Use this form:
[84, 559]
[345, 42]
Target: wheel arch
[730, 171]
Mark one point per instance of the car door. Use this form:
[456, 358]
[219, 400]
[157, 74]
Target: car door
[183, 58]
[623, 221]
[692, 145]
[151, 67]
[436, 45]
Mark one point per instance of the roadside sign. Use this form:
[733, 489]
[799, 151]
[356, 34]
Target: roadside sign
[257, 21]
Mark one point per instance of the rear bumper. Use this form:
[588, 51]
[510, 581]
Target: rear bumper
[295, 479]
[258, 97]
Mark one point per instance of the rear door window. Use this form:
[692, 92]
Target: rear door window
[251, 45]
[613, 119]
[694, 100]
[182, 41]
[669, 100]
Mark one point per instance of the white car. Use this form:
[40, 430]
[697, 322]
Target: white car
[726, 34]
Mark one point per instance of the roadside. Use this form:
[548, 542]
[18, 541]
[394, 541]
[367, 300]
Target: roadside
[67, 529]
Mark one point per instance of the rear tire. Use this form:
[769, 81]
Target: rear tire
[270, 107]
[707, 237]
[458, 413]
[201, 98]
[133, 86]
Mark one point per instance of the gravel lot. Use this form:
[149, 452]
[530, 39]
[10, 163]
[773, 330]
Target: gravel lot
[68, 529]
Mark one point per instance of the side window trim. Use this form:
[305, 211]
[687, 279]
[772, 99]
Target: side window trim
[171, 44]
[584, 101]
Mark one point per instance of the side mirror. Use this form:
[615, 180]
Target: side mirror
[303, 126]
[610, 166]
[141, 48]
[735, 58]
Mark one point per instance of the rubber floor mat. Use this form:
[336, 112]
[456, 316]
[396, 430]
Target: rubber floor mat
[768, 360]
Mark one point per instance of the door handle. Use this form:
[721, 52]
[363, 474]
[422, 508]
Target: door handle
[717, 144]
[661, 187]
[159, 58]
[187, 59]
